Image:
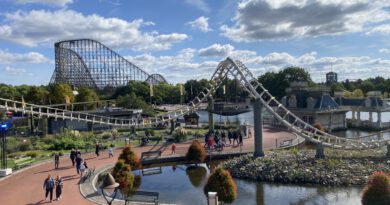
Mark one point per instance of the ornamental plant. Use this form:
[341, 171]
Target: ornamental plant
[130, 157]
[222, 182]
[319, 127]
[377, 191]
[196, 152]
[122, 174]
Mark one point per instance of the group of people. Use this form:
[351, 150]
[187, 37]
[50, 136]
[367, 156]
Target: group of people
[217, 140]
[81, 164]
[50, 184]
[97, 151]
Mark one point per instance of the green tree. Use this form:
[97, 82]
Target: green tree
[9, 92]
[59, 93]
[194, 87]
[37, 95]
[86, 95]
[132, 101]
[277, 83]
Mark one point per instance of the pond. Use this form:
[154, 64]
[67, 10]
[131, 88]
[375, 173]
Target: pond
[182, 184]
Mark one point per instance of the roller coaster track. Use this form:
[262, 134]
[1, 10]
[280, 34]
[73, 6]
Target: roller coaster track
[247, 80]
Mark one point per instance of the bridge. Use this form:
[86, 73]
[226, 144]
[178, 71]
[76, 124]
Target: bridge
[263, 99]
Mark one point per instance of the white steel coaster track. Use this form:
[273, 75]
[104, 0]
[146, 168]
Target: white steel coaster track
[250, 83]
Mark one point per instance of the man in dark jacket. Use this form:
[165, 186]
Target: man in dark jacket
[72, 156]
[48, 185]
[97, 149]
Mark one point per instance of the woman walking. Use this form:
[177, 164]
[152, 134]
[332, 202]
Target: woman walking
[59, 187]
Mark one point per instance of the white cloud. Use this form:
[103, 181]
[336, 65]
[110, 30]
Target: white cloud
[16, 71]
[384, 50]
[199, 4]
[45, 27]
[60, 3]
[200, 23]
[216, 50]
[284, 19]
[381, 29]
[14, 58]
[185, 65]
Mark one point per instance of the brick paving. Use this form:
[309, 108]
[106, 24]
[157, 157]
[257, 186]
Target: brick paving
[26, 186]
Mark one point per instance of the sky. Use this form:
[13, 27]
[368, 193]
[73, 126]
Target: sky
[186, 39]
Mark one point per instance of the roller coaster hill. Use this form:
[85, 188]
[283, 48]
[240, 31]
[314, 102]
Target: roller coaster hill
[89, 63]
[229, 67]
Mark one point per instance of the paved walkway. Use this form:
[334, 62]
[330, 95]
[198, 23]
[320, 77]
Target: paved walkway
[26, 186]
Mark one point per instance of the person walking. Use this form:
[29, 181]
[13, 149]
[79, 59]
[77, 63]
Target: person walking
[240, 139]
[223, 136]
[48, 185]
[173, 148]
[97, 149]
[78, 160]
[59, 186]
[73, 156]
[110, 152]
[56, 160]
[82, 167]
[230, 136]
[235, 137]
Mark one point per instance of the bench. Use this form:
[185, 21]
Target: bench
[151, 171]
[22, 162]
[150, 155]
[285, 143]
[142, 196]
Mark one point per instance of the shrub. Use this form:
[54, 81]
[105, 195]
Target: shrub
[114, 133]
[149, 132]
[377, 191]
[106, 136]
[319, 127]
[130, 157]
[112, 145]
[32, 154]
[221, 181]
[196, 152]
[25, 146]
[155, 138]
[180, 134]
[122, 175]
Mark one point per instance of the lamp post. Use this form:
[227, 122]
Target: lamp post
[111, 186]
[4, 171]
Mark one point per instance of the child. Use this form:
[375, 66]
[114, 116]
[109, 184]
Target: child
[173, 148]
[110, 152]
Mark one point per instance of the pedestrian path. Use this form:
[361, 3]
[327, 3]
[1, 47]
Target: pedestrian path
[26, 186]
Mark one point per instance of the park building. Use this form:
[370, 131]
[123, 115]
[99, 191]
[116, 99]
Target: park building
[331, 78]
[314, 105]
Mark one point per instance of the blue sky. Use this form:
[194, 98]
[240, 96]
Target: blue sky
[185, 39]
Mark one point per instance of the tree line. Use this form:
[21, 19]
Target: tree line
[136, 95]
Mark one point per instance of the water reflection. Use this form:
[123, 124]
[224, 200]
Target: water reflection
[183, 184]
[196, 174]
